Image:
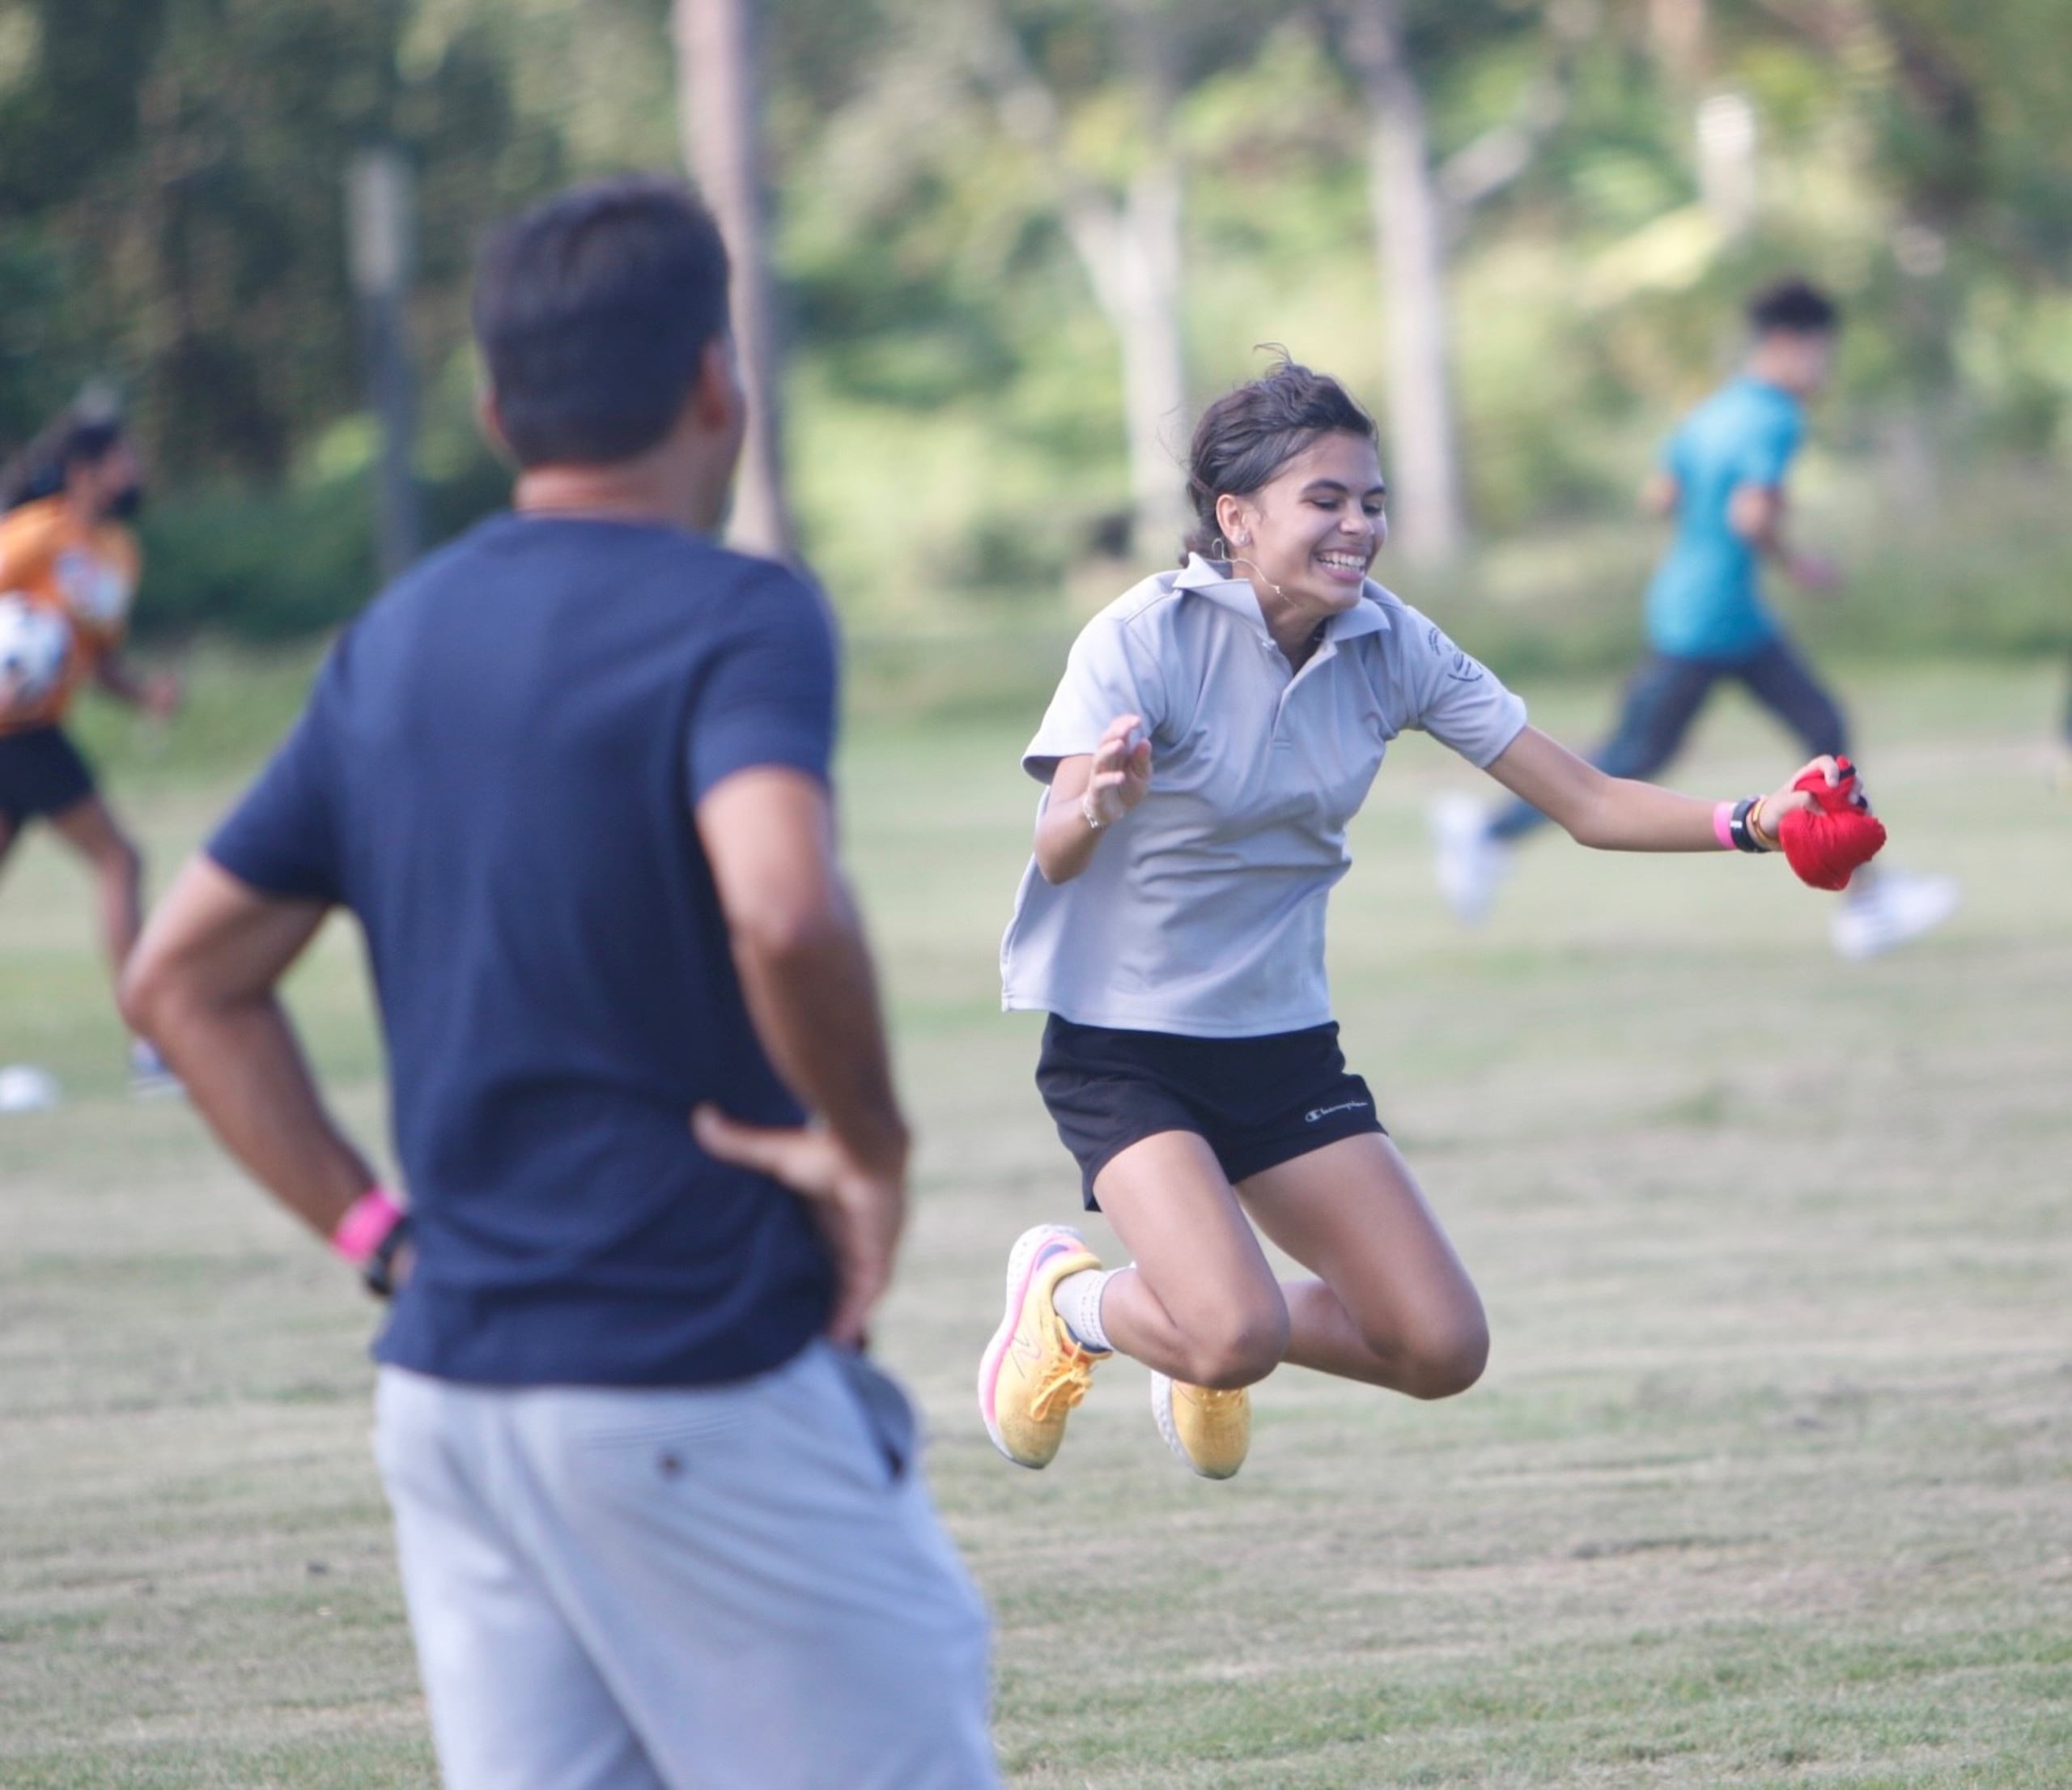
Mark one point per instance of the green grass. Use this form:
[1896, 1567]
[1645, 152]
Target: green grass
[1769, 1483]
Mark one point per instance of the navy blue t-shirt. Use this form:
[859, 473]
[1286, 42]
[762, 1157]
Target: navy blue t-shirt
[496, 772]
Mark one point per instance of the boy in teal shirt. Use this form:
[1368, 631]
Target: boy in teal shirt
[1721, 477]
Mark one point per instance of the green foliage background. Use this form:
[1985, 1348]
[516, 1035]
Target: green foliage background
[171, 218]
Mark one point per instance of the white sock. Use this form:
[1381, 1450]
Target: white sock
[1076, 1298]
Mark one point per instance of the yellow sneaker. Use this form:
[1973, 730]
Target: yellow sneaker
[1210, 1431]
[1033, 1372]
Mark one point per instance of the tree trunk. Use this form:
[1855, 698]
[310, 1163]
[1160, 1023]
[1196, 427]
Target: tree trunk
[719, 117]
[1677, 33]
[1146, 308]
[1132, 253]
[381, 216]
[1410, 242]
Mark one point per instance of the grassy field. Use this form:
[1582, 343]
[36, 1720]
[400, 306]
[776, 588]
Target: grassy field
[1770, 1484]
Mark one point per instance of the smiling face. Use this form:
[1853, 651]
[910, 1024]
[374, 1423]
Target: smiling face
[1312, 529]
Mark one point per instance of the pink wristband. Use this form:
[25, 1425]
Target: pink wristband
[367, 1220]
[1723, 825]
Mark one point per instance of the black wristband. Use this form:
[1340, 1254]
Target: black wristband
[1740, 829]
[378, 1270]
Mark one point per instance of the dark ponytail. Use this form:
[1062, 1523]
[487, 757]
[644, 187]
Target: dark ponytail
[38, 469]
[1248, 435]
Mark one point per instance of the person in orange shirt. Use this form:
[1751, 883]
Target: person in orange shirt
[69, 568]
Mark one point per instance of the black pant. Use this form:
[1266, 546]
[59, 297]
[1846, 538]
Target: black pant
[1665, 697]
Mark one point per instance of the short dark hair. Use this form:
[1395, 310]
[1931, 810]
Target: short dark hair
[1794, 306]
[1248, 435]
[593, 311]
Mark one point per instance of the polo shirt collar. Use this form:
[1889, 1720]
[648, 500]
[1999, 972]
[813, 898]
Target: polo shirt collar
[1207, 579]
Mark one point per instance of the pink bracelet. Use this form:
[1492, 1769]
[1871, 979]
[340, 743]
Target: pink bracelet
[1723, 825]
[367, 1220]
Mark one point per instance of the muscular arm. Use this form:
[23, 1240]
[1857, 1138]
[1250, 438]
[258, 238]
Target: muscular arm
[799, 946]
[203, 985]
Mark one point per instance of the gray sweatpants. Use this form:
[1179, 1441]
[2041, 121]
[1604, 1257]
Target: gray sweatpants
[733, 1588]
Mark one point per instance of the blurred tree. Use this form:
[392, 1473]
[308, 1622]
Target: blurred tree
[976, 211]
[1428, 507]
[720, 107]
[1129, 243]
[1419, 206]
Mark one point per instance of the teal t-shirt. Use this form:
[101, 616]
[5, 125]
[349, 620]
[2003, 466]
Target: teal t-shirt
[1705, 601]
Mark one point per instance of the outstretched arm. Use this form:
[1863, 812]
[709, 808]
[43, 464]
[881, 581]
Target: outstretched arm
[1621, 814]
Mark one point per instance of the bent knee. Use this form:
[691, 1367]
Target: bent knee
[1241, 1351]
[1444, 1363]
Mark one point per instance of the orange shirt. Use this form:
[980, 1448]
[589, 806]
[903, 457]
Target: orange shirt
[88, 575]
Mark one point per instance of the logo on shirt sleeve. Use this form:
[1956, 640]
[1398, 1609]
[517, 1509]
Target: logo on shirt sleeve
[1459, 666]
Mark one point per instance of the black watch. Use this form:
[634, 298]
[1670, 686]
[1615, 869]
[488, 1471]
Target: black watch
[378, 1270]
[1739, 829]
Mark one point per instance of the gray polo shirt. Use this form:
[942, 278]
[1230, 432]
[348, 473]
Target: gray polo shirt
[1203, 911]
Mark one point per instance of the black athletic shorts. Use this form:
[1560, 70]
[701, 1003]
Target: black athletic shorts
[1256, 1102]
[41, 773]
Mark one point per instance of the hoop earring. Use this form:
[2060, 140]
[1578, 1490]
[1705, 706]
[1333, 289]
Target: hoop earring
[1219, 549]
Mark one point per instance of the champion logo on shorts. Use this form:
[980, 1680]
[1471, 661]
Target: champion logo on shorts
[1315, 1113]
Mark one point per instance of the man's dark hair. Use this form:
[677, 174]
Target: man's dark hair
[1794, 306]
[593, 311]
[1248, 435]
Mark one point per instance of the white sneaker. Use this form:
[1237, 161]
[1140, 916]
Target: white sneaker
[150, 1077]
[1897, 907]
[1469, 860]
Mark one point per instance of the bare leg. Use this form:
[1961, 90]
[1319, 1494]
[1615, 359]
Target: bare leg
[90, 830]
[1393, 1307]
[1201, 1303]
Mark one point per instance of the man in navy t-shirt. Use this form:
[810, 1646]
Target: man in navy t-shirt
[658, 1519]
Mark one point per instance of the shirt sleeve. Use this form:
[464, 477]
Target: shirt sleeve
[768, 694]
[1110, 671]
[282, 838]
[29, 540]
[1767, 452]
[1456, 698]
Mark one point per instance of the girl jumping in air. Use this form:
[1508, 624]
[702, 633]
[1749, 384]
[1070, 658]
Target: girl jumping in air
[1216, 730]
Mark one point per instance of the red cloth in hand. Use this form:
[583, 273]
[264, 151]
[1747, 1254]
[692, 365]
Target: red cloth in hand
[1827, 844]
